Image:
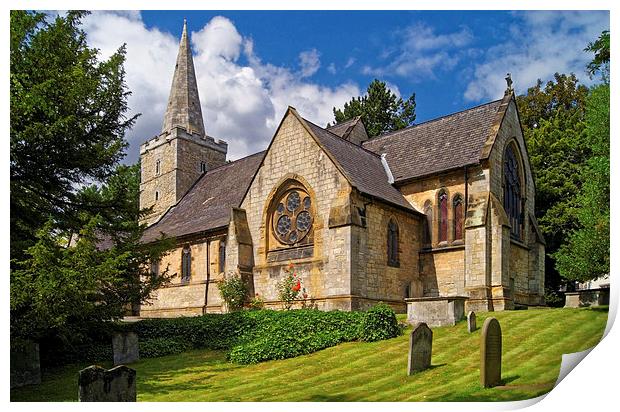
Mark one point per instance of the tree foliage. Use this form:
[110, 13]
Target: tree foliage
[585, 254]
[601, 50]
[67, 137]
[68, 120]
[380, 109]
[553, 120]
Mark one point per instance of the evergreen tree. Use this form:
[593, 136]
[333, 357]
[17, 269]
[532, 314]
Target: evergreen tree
[68, 120]
[67, 137]
[380, 109]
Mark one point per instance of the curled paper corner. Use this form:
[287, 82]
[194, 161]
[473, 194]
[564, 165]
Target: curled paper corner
[569, 361]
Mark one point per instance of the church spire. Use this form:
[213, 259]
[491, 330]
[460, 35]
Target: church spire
[184, 104]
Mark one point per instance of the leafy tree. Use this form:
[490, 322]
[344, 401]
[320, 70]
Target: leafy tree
[553, 120]
[380, 109]
[585, 254]
[67, 137]
[68, 120]
[601, 51]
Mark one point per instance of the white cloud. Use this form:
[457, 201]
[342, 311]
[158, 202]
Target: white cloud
[332, 68]
[350, 62]
[241, 103]
[420, 52]
[309, 62]
[540, 44]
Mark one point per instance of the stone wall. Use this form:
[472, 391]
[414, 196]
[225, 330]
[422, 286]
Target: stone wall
[295, 156]
[187, 299]
[372, 276]
[180, 155]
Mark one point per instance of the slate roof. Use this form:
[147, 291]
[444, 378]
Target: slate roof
[446, 143]
[343, 129]
[207, 204]
[363, 169]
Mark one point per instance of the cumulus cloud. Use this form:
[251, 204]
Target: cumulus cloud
[242, 103]
[421, 52]
[309, 62]
[540, 44]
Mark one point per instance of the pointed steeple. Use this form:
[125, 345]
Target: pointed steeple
[183, 108]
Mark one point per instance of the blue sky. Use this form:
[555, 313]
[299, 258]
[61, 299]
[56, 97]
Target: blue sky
[251, 65]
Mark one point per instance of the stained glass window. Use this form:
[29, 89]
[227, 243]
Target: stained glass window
[186, 264]
[512, 192]
[292, 218]
[457, 207]
[428, 224]
[392, 243]
[443, 216]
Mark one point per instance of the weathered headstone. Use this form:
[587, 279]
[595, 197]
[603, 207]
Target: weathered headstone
[25, 364]
[491, 354]
[100, 385]
[420, 348]
[125, 348]
[471, 321]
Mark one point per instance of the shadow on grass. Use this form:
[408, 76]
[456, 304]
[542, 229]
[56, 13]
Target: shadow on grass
[604, 309]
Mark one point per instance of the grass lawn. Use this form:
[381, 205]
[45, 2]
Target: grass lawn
[533, 343]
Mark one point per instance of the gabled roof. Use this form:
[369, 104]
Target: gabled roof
[362, 168]
[344, 129]
[207, 204]
[442, 144]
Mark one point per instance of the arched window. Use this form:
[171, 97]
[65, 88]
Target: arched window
[158, 167]
[392, 244]
[292, 218]
[186, 264]
[512, 192]
[222, 257]
[443, 216]
[428, 223]
[457, 210]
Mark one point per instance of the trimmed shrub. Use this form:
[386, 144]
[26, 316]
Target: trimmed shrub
[249, 336]
[379, 323]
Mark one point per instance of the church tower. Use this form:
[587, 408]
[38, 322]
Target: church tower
[172, 161]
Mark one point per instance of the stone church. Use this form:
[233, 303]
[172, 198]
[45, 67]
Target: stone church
[442, 208]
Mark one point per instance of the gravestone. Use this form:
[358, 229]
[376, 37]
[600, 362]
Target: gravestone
[471, 321]
[125, 348]
[420, 349]
[491, 354]
[25, 364]
[99, 385]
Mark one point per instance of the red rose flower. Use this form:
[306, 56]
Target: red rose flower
[297, 286]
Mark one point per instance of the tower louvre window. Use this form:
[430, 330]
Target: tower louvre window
[156, 195]
[158, 167]
[203, 167]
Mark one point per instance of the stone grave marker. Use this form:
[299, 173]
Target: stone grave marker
[96, 384]
[25, 364]
[420, 348]
[491, 354]
[471, 321]
[125, 348]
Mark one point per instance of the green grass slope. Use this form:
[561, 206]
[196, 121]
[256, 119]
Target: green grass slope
[533, 343]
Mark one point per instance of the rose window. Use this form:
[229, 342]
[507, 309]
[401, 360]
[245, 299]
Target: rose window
[292, 220]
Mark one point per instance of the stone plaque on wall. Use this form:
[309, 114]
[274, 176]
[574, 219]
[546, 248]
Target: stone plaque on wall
[420, 349]
[491, 354]
[96, 384]
[125, 348]
[471, 321]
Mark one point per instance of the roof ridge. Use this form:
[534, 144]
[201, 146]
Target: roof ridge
[431, 120]
[334, 135]
[353, 120]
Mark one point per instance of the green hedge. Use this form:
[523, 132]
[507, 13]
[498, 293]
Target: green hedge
[253, 336]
